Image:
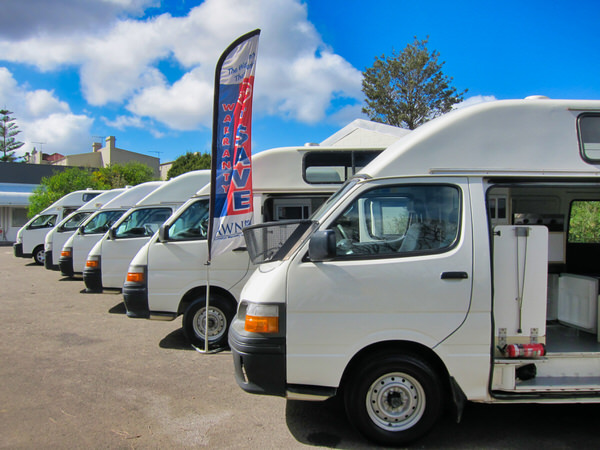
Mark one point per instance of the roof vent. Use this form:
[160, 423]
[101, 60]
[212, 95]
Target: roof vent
[536, 97]
[311, 144]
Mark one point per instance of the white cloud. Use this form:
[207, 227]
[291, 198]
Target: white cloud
[474, 100]
[41, 117]
[297, 77]
[22, 19]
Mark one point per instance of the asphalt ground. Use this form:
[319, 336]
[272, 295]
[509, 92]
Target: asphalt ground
[75, 372]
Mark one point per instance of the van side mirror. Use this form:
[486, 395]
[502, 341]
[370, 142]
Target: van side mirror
[322, 246]
[111, 233]
[163, 233]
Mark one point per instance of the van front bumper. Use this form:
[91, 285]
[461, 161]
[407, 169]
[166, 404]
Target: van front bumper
[65, 264]
[259, 361]
[135, 297]
[48, 261]
[18, 250]
[92, 277]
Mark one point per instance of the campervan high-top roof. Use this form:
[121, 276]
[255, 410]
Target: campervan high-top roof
[130, 196]
[101, 199]
[529, 136]
[178, 189]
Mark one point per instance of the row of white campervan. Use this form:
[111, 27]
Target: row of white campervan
[118, 241]
[458, 264]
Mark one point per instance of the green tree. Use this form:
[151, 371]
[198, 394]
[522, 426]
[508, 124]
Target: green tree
[8, 131]
[408, 88]
[57, 186]
[121, 175]
[188, 162]
[74, 179]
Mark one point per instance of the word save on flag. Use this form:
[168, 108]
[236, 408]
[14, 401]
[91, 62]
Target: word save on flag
[231, 206]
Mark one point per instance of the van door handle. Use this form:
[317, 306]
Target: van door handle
[240, 249]
[454, 275]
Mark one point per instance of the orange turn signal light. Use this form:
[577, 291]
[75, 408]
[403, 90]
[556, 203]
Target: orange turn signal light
[257, 324]
[93, 263]
[135, 277]
[66, 253]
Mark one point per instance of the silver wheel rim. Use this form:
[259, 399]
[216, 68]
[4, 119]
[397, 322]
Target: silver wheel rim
[395, 401]
[217, 323]
[40, 256]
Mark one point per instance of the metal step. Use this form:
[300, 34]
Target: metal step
[559, 384]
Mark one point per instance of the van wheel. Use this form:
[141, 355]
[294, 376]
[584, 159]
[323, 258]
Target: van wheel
[39, 255]
[220, 314]
[393, 399]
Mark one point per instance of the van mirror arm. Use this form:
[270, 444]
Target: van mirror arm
[111, 233]
[163, 233]
[322, 246]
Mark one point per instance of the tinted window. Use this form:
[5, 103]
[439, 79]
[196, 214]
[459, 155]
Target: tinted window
[589, 136]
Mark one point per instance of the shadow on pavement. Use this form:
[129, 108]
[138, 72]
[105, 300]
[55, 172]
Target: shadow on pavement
[119, 308]
[515, 426]
[175, 340]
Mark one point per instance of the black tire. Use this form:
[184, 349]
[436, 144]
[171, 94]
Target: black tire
[38, 255]
[393, 399]
[221, 312]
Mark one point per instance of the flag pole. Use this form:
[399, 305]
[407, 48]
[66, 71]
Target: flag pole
[231, 167]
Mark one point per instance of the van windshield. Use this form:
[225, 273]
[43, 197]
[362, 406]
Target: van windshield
[101, 222]
[274, 241]
[346, 187]
[142, 222]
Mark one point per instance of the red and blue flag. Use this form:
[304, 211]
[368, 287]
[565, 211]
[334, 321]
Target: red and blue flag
[231, 201]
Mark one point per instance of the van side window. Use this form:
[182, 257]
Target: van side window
[398, 221]
[142, 222]
[335, 167]
[584, 222]
[192, 224]
[43, 221]
[589, 137]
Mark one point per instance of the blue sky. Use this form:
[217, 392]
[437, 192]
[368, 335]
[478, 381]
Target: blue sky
[75, 71]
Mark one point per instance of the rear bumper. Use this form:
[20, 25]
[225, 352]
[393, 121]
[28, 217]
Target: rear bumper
[92, 278]
[135, 297]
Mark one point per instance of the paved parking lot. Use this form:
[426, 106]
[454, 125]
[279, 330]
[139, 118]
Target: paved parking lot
[75, 372]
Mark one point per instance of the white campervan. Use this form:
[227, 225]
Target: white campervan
[76, 248]
[57, 236]
[168, 277]
[461, 264]
[107, 262]
[30, 238]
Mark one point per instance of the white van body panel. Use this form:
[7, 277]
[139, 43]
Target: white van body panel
[177, 268]
[82, 244]
[56, 238]
[117, 254]
[364, 287]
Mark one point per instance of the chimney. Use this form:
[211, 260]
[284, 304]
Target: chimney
[96, 146]
[110, 142]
